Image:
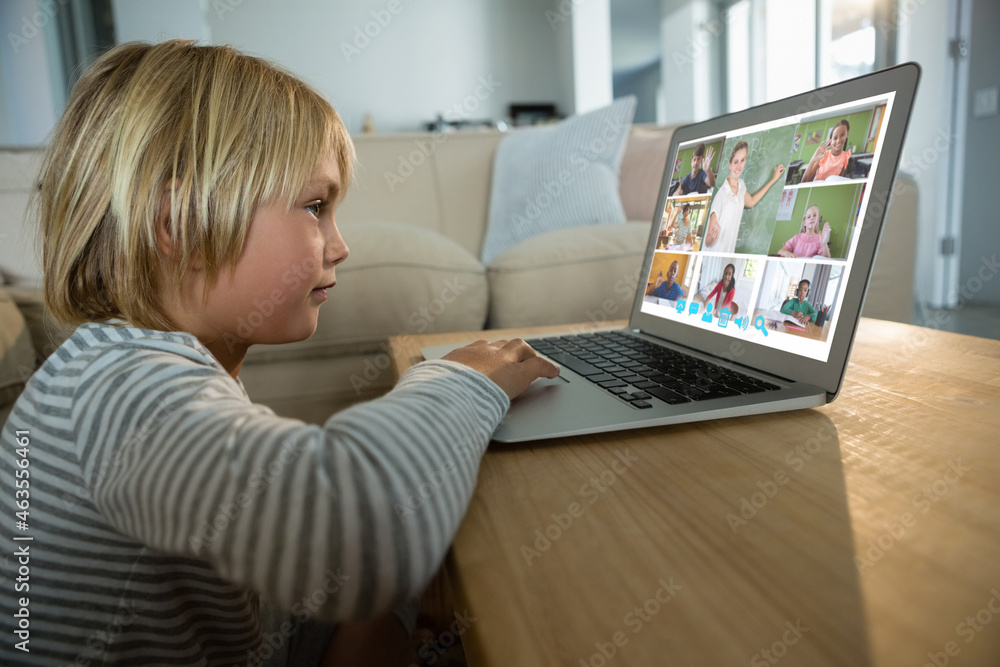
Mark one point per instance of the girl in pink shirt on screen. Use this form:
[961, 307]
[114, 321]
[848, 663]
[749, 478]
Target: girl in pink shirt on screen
[809, 242]
[831, 158]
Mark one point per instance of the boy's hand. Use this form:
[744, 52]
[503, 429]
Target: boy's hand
[512, 364]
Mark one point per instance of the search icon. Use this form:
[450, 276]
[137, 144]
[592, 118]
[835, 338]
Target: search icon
[759, 324]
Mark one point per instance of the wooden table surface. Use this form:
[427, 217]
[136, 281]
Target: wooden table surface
[865, 532]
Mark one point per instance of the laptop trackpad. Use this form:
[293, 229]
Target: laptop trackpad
[543, 386]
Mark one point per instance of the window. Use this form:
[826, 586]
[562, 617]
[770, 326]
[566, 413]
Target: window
[778, 48]
[847, 44]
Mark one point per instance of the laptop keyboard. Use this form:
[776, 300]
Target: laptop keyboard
[637, 371]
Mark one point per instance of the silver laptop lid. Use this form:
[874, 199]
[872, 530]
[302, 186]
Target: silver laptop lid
[818, 169]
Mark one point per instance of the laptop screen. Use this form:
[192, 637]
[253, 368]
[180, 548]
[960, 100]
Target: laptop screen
[760, 226]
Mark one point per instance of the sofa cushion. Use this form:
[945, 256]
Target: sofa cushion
[557, 177]
[399, 279]
[569, 275]
[17, 355]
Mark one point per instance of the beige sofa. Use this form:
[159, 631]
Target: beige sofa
[415, 220]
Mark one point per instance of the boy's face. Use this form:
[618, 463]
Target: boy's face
[696, 161]
[280, 280]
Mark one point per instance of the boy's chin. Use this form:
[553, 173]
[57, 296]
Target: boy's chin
[294, 334]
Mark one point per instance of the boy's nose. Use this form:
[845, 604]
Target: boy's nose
[336, 248]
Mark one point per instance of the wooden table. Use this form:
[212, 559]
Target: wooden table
[866, 532]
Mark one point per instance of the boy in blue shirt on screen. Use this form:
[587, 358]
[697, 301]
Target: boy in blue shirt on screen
[699, 180]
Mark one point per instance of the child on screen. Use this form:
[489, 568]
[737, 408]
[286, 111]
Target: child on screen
[182, 184]
[730, 200]
[831, 158]
[810, 241]
[700, 180]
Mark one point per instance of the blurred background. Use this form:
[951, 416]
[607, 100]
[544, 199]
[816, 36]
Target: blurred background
[405, 66]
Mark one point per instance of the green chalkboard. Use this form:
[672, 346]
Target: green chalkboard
[766, 150]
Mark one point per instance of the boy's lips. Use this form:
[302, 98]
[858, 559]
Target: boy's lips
[321, 291]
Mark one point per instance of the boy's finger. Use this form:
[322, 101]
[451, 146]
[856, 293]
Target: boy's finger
[521, 349]
[540, 367]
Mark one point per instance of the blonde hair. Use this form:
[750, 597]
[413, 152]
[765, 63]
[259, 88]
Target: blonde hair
[204, 134]
[802, 229]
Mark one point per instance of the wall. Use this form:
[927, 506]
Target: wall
[27, 29]
[686, 67]
[592, 75]
[400, 61]
[980, 242]
[154, 20]
[644, 83]
[923, 37]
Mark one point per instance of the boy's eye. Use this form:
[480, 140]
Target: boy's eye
[315, 208]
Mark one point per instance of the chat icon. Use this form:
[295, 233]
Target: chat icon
[693, 308]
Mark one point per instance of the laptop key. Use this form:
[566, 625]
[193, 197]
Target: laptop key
[574, 364]
[667, 396]
[642, 405]
[611, 383]
[718, 392]
[767, 385]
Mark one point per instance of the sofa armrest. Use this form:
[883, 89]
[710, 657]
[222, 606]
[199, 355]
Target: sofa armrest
[46, 333]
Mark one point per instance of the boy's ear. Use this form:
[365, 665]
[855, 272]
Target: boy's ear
[164, 230]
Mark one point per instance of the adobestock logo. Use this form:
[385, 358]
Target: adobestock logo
[264, 308]
[592, 491]
[425, 148]
[779, 649]
[32, 25]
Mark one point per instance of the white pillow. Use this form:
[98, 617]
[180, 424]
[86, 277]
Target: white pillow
[558, 176]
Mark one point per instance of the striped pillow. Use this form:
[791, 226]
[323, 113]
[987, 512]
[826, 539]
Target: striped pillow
[557, 177]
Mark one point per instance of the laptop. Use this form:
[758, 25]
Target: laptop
[739, 310]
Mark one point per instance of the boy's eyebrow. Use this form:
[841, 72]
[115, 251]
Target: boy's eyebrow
[332, 187]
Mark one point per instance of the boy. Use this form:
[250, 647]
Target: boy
[699, 180]
[172, 520]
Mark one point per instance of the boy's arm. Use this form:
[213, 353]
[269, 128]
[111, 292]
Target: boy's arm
[340, 522]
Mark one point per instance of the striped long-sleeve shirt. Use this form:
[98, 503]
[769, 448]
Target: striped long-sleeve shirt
[163, 505]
